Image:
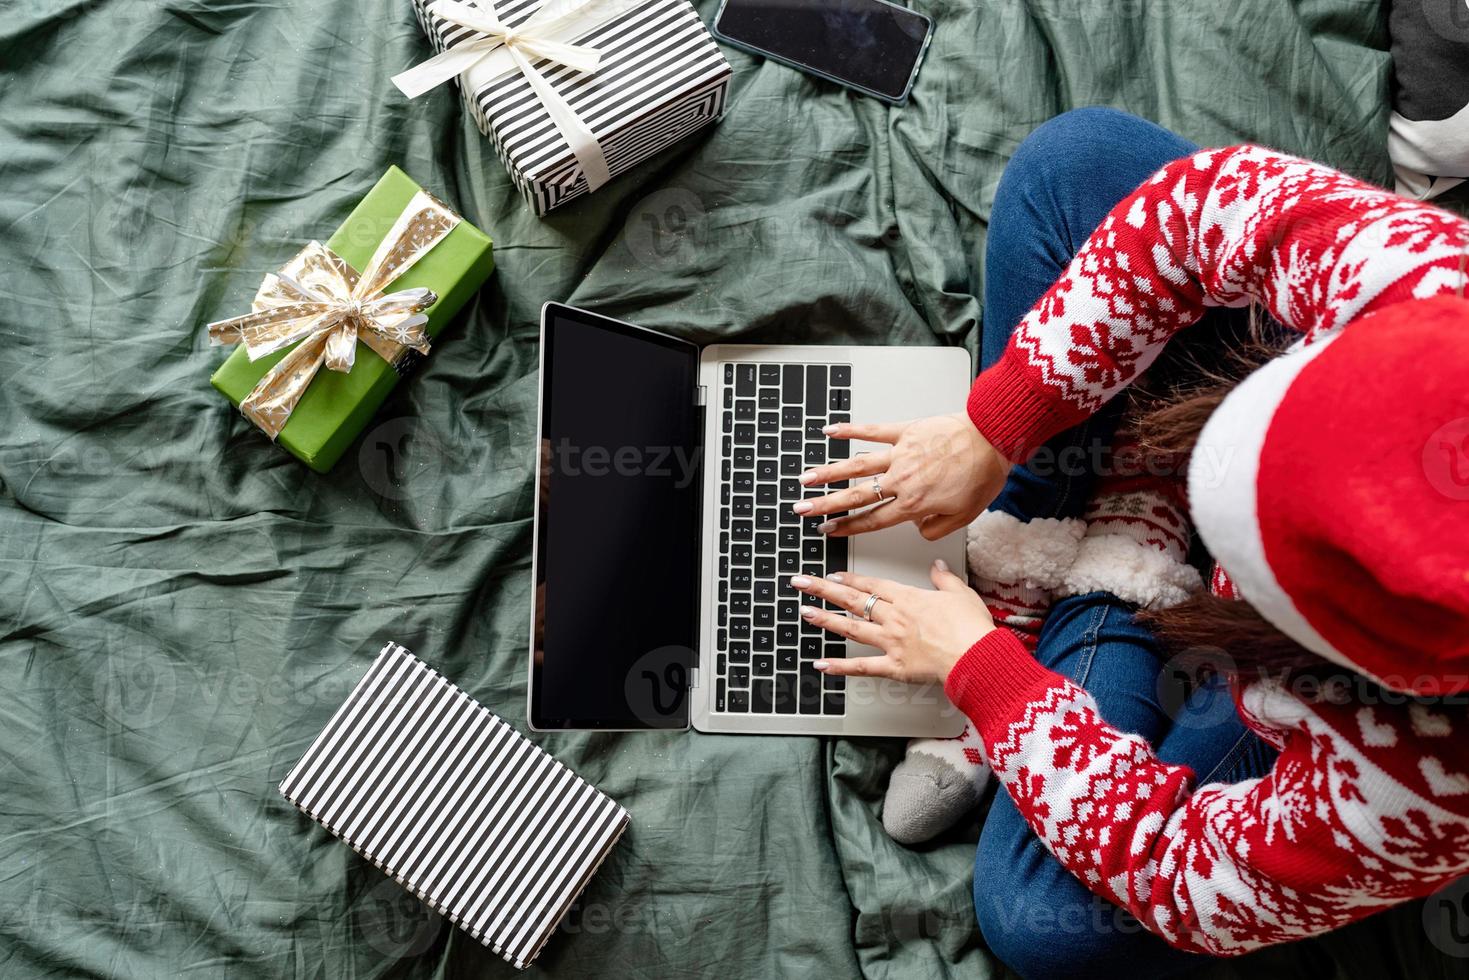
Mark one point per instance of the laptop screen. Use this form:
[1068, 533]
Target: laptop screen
[617, 556]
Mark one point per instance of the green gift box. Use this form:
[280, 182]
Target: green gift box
[336, 406]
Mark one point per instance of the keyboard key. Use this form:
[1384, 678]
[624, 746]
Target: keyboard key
[768, 422]
[841, 399]
[739, 677]
[739, 653]
[838, 417]
[724, 518]
[833, 683]
[741, 554]
[785, 659]
[764, 591]
[808, 692]
[834, 704]
[728, 422]
[764, 615]
[739, 628]
[788, 610]
[739, 603]
[744, 457]
[739, 578]
[742, 530]
[744, 506]
[790, 465]
[719, 694]
[762, 697]
[745, 380]
[763, 641]
[729, 374]
[790, 489]
[744, 434]
[785, 694]
[729, 398]
[789, 518]
[810, 647]
[764, 665]
[836, 649]
[785, 635]
[838, 449]
[744, 410]
[743, 482]
[738, 703]
[815, 453]
[766, 494]
[764, 567]
[812, 550]
[770, 374]
[791, 416]
[723, 615]
[790, 441]
[784, 589]
[765, 518]
[767, 447]
[815, 389]
[769, 398]
[836, 555]
[790, 537]
[841, 375]
[813, 428]
[790, 384]
[765, 544]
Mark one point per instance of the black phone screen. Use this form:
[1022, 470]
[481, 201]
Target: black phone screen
[866, 43]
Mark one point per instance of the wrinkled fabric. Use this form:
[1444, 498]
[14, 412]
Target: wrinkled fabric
[182, 605]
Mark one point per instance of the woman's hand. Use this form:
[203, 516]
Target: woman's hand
[922, 633]
[940, 473]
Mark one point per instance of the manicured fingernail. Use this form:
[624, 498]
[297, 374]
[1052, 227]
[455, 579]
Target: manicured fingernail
[808, 476]
[828, 429]
[800, 581]
[821, 664]
[826, 528]
[940, 564]
[803, 507]
[809, 612]
[836, 577]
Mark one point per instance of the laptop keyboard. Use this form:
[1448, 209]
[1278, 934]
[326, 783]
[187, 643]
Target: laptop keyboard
[771, 416]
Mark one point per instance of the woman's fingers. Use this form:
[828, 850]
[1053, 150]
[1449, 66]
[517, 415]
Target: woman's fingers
[863, 464]
[851, 627]
[867, 585]
[872, 519]
[845, 596]
[945, 580]
[936, 526]
[887, 432]
[883, 666]
[838, 502]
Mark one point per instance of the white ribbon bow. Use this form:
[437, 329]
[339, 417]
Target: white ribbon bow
[542, 35]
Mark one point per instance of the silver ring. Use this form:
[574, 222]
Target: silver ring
[877, 489]
[872, 600]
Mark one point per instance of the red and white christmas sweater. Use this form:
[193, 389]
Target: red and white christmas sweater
[1368, 802]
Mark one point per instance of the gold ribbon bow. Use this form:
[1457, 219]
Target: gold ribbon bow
[498, 49]
[319, 302]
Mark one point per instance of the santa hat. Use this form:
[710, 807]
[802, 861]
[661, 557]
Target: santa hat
[1332, 486]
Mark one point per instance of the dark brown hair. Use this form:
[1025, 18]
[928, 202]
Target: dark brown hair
[1206, 632]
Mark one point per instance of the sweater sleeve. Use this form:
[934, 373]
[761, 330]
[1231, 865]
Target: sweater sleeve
[1223, 227]
[1365, 807]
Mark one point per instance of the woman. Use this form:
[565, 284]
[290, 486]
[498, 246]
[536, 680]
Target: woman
[1331, 487]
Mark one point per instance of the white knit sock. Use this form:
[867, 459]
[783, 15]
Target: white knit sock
[1013, 565]
[938, 781]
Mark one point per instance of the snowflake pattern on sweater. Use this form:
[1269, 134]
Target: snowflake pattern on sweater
[1368, 803]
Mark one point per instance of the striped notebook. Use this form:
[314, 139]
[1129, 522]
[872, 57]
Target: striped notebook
[455, 805]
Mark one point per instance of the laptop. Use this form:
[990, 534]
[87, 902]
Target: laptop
[664, 539]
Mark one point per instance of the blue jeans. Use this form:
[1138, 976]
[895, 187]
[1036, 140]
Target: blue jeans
[1035, 915]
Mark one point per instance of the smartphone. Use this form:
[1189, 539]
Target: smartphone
[872, 46]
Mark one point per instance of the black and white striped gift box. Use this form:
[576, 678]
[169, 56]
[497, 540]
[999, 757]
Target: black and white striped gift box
[455, 805]
[661, 78]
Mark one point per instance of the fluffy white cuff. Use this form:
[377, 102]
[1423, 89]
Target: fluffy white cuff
[1132, 571]
[1035, 553]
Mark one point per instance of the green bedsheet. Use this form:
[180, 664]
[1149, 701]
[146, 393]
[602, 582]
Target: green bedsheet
[182, 606]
